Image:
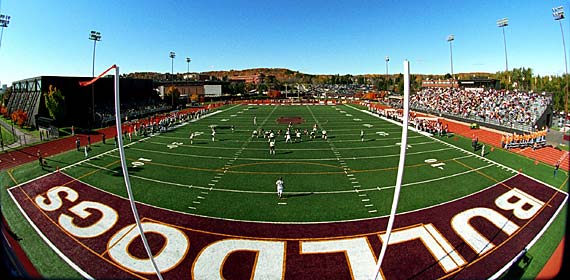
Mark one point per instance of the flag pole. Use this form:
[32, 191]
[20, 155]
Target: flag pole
[403, 147]
[126, 173]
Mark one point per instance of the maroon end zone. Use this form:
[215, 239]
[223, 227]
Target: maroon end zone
[474, 237]
[290, 120]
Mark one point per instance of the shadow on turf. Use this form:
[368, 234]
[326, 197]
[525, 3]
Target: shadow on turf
[118, 171]
[297, 195]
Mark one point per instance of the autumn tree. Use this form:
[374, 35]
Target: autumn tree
[55, 102]
[19, 117]
[172, 90]
[273, 93]
[3, 111]
[194, 97]
[370, 96]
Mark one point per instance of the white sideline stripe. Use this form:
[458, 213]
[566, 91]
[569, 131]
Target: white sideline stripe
[282, 203]
[46, 240]
[297, 159]
[190, 207]
[372, 211]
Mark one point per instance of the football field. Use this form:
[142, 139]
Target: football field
[209, 205]
[341, 178]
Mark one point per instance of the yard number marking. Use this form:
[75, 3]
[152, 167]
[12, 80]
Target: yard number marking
[174, 145]
[434, 163]
[140, 162]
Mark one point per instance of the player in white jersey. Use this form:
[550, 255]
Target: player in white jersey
[272, 147]
[279, 184]
[287, 137]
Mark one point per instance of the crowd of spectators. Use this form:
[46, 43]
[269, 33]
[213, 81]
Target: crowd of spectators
[501, 107]
[130, 110]
[426, 124]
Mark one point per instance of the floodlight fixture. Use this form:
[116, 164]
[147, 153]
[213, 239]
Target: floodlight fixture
[450, 38]
[95, 36]
[503, 22]
[4, 20]
[558, 13]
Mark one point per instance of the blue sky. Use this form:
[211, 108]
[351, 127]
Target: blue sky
[49, 37]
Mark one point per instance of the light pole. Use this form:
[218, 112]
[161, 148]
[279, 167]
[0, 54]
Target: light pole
[450, 39]
[387, 60]
[187, 77]
[172, 56]
[558, 14]
[502, 23]
[94, 36]
[4, 20]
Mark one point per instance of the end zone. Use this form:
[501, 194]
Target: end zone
[473, 237]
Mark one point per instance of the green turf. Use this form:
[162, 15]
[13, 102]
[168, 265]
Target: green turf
[241, 173]
[7, 136]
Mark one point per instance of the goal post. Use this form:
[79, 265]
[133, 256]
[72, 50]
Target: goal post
[400, 175]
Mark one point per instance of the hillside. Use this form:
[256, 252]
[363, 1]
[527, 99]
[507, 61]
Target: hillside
[287, 75]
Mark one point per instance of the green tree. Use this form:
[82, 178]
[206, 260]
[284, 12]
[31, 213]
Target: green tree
[55, 102]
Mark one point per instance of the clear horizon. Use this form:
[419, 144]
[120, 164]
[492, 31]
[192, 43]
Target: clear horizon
[50, 38]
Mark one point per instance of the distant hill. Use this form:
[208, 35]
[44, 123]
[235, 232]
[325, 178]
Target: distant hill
[288, 75]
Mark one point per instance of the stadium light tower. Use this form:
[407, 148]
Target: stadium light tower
[502, 23]
[188, 62]
[4, 20]
[387, 60]
[187, 76]
[558, 14]
[95, 36]
[450, 39]
[172, 56]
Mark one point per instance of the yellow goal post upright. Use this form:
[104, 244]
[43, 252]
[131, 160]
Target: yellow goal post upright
[400, 175]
